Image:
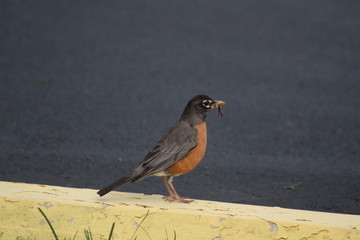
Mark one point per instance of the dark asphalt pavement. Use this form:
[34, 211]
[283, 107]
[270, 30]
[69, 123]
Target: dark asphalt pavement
[88, 87]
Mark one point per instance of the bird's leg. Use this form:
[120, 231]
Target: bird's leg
[171, 188]
[165, 180]
[174, 197]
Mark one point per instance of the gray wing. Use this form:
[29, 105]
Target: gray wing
[179, 141]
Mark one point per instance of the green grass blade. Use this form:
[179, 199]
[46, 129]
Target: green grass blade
[146, 232]
[111, 231]
[167, 237]
[51, 227]
[293, 186]
[88, 234]
[75, 235]
[137, 228]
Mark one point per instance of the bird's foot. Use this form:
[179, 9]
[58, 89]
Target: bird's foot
[177, 199]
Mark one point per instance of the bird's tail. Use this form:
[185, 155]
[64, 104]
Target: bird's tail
[125, 180]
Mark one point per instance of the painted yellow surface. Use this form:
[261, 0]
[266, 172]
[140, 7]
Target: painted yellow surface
[72, 210]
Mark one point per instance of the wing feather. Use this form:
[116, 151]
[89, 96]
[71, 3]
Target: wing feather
[179, 141]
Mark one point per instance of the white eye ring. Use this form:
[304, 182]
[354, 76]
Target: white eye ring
[206, 103]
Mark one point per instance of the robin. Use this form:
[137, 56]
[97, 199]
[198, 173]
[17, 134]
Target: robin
[179, 151]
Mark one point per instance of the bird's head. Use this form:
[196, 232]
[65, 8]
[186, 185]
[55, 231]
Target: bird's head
[199, 106]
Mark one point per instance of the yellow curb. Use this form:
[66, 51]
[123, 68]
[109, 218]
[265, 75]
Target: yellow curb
[72, 210]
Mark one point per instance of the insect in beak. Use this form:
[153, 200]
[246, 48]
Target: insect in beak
[218, 104]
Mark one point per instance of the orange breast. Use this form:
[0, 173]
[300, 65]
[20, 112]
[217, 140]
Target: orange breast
[190, 161]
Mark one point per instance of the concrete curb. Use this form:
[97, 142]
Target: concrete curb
[72, 210]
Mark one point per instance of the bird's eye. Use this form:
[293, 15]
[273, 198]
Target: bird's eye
[206, 103]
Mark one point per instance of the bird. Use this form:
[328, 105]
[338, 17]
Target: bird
[179, 150]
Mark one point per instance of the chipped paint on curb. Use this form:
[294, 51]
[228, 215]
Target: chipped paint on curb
[71, 210]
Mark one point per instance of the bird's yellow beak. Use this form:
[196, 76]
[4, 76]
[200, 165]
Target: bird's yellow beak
[217, 103]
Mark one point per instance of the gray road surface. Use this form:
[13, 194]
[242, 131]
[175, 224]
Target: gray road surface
[88, 87]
